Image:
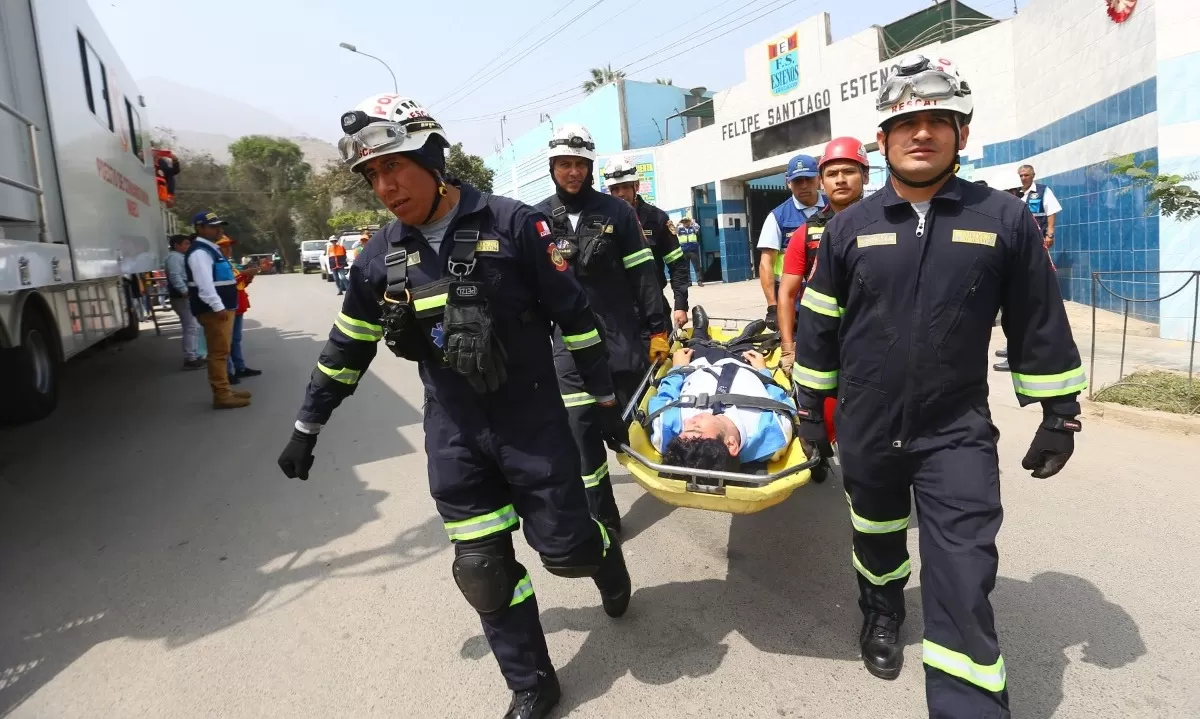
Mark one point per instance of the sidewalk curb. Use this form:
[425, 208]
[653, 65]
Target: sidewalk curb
[1144, 418]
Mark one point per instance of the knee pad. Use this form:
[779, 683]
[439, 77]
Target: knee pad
[582, 561]
[485, 573]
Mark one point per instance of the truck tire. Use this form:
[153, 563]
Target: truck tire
[32, 370]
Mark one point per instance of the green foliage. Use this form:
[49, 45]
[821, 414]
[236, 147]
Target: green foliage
[664, 81]
[272, 174]
[204, 184]
[1173, 198]
[602, 76]
[357, 219]
[469, 168]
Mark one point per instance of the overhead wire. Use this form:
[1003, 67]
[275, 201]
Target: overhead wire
[498, 71]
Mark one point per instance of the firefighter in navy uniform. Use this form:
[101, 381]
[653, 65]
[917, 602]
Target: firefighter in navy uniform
[897, 317]
[621, 179]
[601, 240]
[467, 284]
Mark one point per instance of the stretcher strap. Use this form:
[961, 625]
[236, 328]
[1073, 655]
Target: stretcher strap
[705, 401]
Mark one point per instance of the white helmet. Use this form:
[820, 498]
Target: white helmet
[619, 171]
[385, 124]
[918, 83]
[572, 140]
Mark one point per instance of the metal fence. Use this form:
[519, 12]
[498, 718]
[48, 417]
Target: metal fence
[1165, 353]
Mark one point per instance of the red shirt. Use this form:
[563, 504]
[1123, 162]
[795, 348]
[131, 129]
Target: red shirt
[795, 258]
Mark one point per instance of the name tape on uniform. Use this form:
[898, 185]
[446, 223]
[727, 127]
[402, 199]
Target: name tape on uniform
[818, 231]
[883, 238]
[414, 258]
[974, 237]
[487, 245]
[608, 229]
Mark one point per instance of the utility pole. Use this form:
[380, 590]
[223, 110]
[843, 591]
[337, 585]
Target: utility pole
[953, 19]
[503, 119]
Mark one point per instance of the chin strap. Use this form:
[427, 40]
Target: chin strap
[437, 199]
[953, 167]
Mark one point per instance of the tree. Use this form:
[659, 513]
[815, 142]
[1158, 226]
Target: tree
[356, 219]
[1174, 199]
[204, 185]
[272, 174]
[664, 81]
[602, 76]
[469, 168]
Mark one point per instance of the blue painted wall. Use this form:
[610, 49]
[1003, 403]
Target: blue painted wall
[647, 105]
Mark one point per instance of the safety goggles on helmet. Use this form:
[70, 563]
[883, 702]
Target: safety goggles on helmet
[925, 81]
[574, 141]
[630, 172]
[381, 136]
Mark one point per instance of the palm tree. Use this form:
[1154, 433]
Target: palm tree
[602, 76]
[664, 81]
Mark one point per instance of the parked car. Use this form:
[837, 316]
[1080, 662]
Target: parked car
[312, 253]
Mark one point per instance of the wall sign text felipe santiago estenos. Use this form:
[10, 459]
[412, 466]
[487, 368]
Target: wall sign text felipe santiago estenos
[862, 85]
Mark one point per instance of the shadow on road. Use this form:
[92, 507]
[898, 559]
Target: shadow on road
[790, 590]
[136, 511]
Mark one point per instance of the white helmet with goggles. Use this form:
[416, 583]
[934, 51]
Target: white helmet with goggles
[920, 84]
[619, 171]
[572, 140]
[388, 124]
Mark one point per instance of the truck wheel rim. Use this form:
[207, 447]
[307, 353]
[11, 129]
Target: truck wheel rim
[39, 357]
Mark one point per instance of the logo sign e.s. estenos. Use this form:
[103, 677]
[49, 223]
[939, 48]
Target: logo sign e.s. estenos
[784, 63]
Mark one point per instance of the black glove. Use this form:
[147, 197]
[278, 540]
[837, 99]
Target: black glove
[402, 334]
[1052, 446]
[812, 434]
[613, 427]
[772, 321]
[297, 457]
[472, 349]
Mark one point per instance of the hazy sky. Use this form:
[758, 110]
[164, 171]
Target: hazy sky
[283, 55]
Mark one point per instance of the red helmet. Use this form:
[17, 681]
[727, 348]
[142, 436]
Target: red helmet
[844, 148]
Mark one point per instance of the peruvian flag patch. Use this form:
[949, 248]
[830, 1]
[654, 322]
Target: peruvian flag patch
[543, 228]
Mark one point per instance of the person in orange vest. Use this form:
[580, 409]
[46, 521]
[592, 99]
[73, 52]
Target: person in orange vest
[243, 276]
[338, 264]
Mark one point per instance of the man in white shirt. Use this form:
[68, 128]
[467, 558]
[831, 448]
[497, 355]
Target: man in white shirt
[177, 290]
[782, 221]
[212, 294]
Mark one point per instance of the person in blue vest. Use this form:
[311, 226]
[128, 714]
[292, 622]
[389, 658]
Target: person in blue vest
[212, 296]
[689, 242]
[773, 239]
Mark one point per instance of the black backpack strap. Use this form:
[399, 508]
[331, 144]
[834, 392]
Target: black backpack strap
[558, 216]
[397, 264]
[466, 240]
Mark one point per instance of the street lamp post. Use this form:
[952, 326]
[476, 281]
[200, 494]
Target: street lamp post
[354, 49]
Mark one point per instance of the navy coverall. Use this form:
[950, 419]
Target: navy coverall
[625, 297]
[493, 459]
[896, 319]
[668, 256]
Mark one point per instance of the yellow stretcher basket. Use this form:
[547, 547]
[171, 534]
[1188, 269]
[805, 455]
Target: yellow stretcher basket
[732, 492]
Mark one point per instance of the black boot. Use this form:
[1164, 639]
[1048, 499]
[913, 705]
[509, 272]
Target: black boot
[537, 702]
[880, 644]
[700, 323]
[1002, 353]
[613, 580]
[1001, 366]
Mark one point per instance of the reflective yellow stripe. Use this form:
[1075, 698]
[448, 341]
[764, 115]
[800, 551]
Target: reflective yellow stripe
[867, 526]
[483, 525]
[816, 379]
[991, 677]
[673, 255]
[593, 479]
[578, 342]
[603, 535]
[341, 374]
[1050, 385]
[637, 258]
[357, 329]
[881, 579]
[523, 590]
[428, 303]
[578, 399]
[820, 303]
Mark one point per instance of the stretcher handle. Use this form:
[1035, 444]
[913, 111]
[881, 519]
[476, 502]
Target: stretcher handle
[636, 399]
[723, 477]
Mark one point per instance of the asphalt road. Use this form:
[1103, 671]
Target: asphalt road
[154, 562]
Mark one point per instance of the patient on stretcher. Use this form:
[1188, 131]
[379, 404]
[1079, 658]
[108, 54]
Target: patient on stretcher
[700, 415]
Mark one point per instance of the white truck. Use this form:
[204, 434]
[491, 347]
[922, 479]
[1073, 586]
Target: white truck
[79, 207]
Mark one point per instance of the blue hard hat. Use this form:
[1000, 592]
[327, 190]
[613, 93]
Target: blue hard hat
[802, 166]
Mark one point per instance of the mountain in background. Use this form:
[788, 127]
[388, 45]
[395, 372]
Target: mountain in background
[204, 122]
